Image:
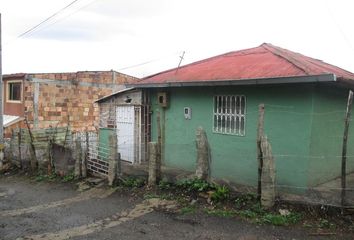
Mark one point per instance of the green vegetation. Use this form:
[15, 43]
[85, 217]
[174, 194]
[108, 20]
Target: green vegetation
[245, 200]
[221, 193]
[256, 213]
[188, 209]
[165, 185]
[41, 177]
[133, 182]
[69, 177]
[281, 220]
[195, 185]
[325, 224]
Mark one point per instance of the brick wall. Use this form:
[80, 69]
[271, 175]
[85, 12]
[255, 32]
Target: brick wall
[69, 98]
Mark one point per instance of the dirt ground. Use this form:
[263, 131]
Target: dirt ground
[58, 211]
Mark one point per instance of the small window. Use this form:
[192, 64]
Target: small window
[14, 91]
[229, 114]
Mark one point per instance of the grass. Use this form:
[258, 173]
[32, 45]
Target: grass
[188, 209]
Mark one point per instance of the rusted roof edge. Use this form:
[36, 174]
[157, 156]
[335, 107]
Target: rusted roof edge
[229, 82]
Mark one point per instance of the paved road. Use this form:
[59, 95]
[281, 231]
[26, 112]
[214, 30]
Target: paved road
[57, 211]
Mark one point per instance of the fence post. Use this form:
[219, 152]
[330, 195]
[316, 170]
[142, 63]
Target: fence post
[119, 165]
[78, 156]
[268, 174]
[344, 149]
[112, 166]
[19, 149]
[159, 147]
[203, 156]
[153, 151]
[260, 133]
[85, 156]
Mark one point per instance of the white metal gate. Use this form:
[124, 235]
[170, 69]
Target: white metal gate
[125, 132]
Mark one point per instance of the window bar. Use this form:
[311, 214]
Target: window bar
[219, 113]
[228, 122]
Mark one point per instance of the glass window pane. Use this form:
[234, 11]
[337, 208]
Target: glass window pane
[233, 105]
[15, 91]
[243, 105]
[242, 127]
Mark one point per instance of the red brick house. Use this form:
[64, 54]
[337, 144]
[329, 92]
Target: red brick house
[57, 99]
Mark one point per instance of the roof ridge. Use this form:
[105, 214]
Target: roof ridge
[280, 52]
[198, 62]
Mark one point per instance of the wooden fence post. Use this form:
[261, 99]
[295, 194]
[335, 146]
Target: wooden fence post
[260, 133]
[203, 156]
[344, 149]
[153, 152]
[112, 167]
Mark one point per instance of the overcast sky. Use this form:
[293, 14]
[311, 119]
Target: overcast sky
[121, 34]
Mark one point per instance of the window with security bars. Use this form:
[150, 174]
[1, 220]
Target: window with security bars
[229, 114]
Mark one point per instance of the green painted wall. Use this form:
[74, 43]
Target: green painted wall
[327, 135]
[288, 122]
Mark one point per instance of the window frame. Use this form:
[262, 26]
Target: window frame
[8, 91]
[228, 112]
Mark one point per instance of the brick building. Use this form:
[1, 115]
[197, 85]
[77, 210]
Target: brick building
[58, 99]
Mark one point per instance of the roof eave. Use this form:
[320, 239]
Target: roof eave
[257, 81]
[113, 94]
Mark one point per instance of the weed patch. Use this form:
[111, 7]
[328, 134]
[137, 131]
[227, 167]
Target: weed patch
[195, 185]
[188, 209]
[133, 182]
[221, 193]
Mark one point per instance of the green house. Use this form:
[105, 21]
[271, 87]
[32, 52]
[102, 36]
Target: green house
[305, 103]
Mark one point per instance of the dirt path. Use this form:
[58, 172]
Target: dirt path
[56, 211]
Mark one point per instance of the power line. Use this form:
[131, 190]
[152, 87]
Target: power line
[61, 19]
[147, 62]
[47, 19]
[340, 29]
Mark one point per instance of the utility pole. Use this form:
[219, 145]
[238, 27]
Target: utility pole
[1, 91]
[1, 110]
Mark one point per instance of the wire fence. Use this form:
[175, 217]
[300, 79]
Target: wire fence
[307, 160]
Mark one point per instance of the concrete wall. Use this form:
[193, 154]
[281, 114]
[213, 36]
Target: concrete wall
[329, 104]
[288, 122]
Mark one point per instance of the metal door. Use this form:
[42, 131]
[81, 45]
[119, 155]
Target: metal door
[125, 132]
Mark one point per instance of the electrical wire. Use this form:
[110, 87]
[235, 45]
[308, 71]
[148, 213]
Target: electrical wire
[69, 15]
[47, 19]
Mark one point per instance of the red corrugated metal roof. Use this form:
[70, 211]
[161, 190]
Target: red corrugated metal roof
[14, 75]
[265, 61]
